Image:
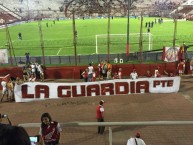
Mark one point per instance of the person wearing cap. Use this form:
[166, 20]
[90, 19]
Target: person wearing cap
[136, 140]
[134, 75]
[100, 116]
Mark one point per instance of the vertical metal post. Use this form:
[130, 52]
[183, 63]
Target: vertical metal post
[110, 136]
[141, 38]
[96, 37]
[175, 32]
[74, 36]
[10, 45]
[128, 25]
[108, 34]
[41, 41]
[174, 37]
[149, 41]
[28, 10]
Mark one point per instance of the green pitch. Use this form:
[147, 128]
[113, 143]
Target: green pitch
[58, 37]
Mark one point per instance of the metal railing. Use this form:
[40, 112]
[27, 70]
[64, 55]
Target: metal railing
[95, 58]
[110, 124]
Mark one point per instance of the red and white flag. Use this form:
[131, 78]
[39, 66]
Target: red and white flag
[170, 54]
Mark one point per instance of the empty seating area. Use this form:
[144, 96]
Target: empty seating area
[186, 9]
[8, 18]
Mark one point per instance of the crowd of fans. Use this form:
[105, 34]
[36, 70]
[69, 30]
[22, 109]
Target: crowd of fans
[166, 5]
[105, 71]
[8, 88]
[32, 72]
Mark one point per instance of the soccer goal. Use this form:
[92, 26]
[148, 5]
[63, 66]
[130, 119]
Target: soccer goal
[118, 42]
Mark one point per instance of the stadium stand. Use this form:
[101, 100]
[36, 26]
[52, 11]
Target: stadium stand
[189, 16]
[31, 9]
[184, 10]
[8, 15]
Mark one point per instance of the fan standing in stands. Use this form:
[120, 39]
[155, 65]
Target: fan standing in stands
[134, 75]
[27, 56]
[181, 67]
[90, 71]
[186, 50]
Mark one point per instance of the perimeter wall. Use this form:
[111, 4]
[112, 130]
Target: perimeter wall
[74, 72]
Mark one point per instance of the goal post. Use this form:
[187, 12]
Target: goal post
[118, 42]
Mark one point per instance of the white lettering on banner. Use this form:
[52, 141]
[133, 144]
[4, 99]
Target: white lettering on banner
[32, 91]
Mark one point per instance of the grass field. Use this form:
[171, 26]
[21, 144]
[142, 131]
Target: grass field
[58, 37]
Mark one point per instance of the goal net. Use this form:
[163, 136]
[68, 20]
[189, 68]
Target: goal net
[118, 42]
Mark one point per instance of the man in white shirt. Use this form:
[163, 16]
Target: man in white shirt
[33, 68]
[136, 140]
[134, 75]
[90, 71]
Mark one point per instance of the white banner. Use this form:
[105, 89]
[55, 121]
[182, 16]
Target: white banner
[3, 56]
[32, 91]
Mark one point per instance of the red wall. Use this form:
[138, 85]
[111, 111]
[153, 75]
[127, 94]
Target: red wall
[141, 69]
[74, 72]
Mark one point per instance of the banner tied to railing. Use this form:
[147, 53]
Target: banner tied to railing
[33, 91]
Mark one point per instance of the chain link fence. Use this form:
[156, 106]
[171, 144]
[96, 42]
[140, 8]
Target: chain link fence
[95, 58]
